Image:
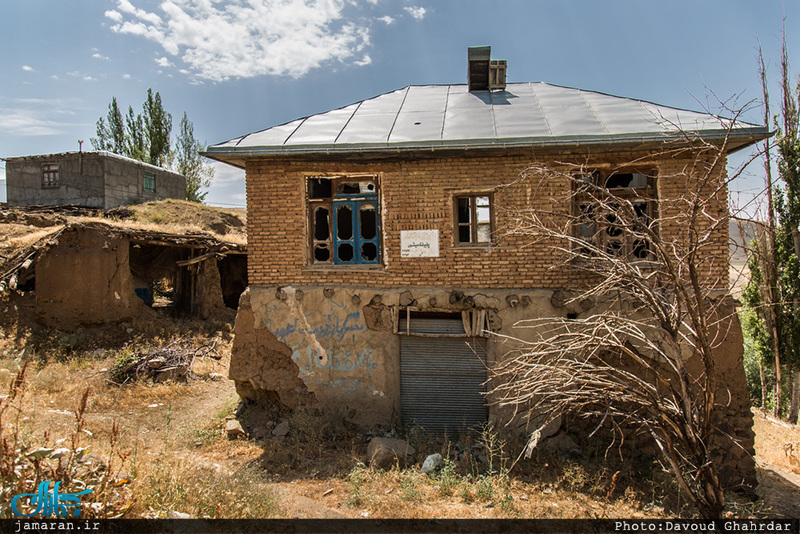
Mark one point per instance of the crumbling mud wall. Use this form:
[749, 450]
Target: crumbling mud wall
[261, 366]
[339, 345]
[734, 418]
[85, 279]
[208, 297]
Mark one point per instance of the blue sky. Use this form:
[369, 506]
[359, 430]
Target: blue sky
[238, 66]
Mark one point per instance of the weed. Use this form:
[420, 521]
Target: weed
[23, 467]
[448, 477]
[356, 481]
[408, 486]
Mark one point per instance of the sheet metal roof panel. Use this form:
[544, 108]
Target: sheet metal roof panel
[323, 128]
[385, 103]
[369, 128]
[425, 98]
[671, 119]
[450, 116]
[520, 121]
[415, 126]
[469, 123]
[620, 116]
[275, 136]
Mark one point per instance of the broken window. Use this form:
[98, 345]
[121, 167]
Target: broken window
[473, 219]
[50, 175]
[150, 182]
[614, 211]
[344, 221]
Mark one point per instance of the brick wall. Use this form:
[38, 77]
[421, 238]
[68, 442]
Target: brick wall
[417, 194]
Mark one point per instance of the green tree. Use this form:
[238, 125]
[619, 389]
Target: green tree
[774, 287]
[157, 130]
[189, 163]
[110, 131]
[136, 145]
[146, 136]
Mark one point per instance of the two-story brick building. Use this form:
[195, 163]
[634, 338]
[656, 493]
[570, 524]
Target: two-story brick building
[379, 251]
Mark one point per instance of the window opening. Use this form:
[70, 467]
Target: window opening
[598, 213]
[344, 219]
[150, 182]
[50, 177]
[473, 219]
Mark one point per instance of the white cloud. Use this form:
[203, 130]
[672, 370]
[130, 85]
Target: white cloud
[218, 41]
[97, 55]
[387, 19]
[27, 68]
[35, 116]
[116, 16]
[126, 76]
[164, 62]
[416, 12]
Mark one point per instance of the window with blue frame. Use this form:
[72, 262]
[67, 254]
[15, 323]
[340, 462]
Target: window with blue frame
[344, 221]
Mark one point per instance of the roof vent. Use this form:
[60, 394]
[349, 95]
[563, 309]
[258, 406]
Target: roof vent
[484, 73]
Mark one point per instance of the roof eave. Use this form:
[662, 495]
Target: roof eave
[732, 139]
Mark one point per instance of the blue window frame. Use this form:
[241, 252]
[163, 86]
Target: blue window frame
[344, 221]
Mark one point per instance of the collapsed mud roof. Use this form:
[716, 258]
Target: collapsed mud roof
[88, 271]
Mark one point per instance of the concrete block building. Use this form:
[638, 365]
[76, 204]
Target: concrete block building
[91, 179]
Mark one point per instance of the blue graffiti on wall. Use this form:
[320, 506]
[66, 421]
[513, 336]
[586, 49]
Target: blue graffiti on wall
[332, 327]
[308, 360]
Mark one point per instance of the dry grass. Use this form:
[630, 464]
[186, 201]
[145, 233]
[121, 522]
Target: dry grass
[778, 442]
[178, 458]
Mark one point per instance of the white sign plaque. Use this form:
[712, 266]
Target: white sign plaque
[419, 244]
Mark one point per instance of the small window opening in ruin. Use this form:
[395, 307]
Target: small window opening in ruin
[473, 219]
[233, 278]
[343, 220]
[50, 175]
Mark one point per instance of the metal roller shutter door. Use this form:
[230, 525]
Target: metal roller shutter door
[441, 382]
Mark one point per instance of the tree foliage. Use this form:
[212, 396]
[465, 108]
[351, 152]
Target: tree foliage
[773, 291]
[147, 137]
[189, 163]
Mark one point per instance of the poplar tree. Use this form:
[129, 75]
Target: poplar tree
[146, 137]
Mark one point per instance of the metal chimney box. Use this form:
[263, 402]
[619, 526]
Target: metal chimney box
[483, 73]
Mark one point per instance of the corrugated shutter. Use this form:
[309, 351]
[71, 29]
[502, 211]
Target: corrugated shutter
[427, 325]
[441, 381]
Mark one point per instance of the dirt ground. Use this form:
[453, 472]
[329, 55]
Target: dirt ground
[171, 433]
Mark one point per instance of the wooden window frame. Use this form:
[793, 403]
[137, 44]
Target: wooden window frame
[355, 201]
[51, 175]
[601, 236]
[473, 224]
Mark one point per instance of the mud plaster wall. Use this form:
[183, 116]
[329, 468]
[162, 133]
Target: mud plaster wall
[339, 342]
[208, 290]
[85, 279]
[342, 344]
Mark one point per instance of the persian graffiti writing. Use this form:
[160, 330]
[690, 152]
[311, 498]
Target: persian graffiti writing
[332, 326]
[308, 360]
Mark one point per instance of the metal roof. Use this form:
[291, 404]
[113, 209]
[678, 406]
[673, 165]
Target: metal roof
[447, 117]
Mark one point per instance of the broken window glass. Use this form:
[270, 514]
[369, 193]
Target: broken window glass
[344, 222]
[345, 228]
[319, 188]
[473, 219]
[369, 224]
[604, 220]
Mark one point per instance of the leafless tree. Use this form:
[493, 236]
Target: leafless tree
[655, 272]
